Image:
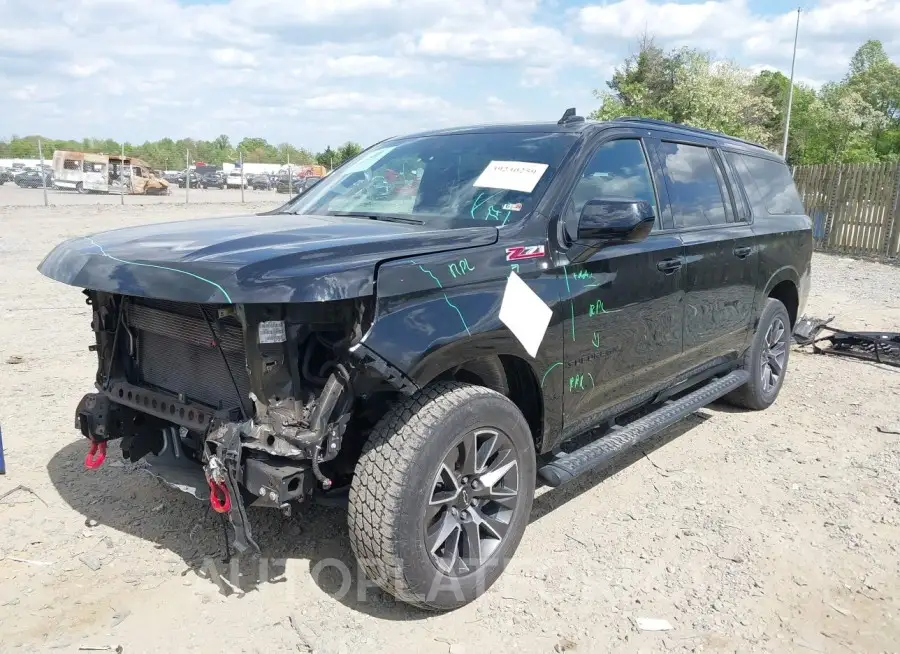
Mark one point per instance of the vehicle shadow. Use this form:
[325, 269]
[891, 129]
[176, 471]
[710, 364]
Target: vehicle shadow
[122, 497]
[555, 498]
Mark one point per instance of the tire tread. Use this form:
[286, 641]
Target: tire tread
[378, 483]
[749, 396]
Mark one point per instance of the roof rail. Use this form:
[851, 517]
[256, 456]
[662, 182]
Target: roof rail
[687, 128]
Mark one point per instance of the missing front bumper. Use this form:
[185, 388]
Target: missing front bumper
[211, 468]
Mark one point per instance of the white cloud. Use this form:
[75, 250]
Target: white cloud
[233, 57]
[630, 18]
[356, 101]
[368, 65]
[87, 68]
[314, 71]
[830, 30]
[533, 44]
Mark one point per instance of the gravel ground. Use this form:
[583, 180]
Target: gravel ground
[14, 196]
[751, 532]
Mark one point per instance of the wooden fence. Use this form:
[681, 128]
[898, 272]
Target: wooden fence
[854, 207]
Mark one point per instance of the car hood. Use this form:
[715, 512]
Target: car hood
[243, 259]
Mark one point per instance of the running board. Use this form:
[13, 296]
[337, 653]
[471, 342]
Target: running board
[567, 466]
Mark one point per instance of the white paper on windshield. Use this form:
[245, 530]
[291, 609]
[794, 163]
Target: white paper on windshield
[511, 175]
[524, 312]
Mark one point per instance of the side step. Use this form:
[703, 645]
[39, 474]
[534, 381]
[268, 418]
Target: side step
[567, 466]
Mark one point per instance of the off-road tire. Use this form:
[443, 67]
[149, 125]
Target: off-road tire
[753, 395]
[393, 481]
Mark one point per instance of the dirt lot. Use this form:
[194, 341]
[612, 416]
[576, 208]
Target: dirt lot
[13, 196]
[769, 532]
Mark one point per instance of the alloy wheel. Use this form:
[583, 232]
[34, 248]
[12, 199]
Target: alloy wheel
[472, 502]
[774, 355]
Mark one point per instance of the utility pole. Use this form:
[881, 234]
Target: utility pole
[122, 177]
[43, 172]
[290, 176]
[790, 101]
[187, 176]
[241, 164]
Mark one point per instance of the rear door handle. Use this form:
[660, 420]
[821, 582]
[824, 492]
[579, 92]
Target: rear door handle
[669, 266]
[742, 251]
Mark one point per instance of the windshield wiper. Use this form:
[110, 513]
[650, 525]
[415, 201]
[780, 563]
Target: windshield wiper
[385, 218]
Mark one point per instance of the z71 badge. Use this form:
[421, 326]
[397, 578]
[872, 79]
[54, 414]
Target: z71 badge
[520, 252]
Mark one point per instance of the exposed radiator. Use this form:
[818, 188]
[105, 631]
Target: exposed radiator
[176, 352]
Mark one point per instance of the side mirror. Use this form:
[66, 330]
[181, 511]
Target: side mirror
[615, 221]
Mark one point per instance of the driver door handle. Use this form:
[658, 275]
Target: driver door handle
[742, 252]
[669, 266]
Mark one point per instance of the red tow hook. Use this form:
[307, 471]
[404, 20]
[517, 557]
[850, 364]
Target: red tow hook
[96, 455]
[219, 497]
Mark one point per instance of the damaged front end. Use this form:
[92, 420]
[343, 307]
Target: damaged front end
[246, 405]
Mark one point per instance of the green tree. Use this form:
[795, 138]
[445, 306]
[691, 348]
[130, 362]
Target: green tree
[846, 125]
[346, 152]
[328, 158]
[300, 156]
[687, 86]
[854, 120]
[774, 86]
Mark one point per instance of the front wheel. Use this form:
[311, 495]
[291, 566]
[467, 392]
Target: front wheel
[766, 360]
[442, 494]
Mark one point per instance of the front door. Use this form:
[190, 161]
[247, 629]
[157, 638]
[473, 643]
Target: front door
[721, 253]
[623, 332]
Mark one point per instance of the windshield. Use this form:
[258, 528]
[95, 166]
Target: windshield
[451, 180]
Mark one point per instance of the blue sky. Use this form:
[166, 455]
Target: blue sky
[318, 72]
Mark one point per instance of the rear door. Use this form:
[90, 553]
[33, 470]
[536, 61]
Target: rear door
[623, 332]
[721, 253]
[94, 176]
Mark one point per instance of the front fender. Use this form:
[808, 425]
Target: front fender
[436, 312]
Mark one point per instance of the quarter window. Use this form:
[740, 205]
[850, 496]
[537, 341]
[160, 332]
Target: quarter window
[693, 185]
[768, 183]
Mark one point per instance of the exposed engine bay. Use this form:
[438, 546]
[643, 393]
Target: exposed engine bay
[256, 404]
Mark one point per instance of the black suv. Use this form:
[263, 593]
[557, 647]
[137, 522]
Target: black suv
[260, 183]
[211, 180]
[429, 326]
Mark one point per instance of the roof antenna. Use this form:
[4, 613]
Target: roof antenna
[569, 117]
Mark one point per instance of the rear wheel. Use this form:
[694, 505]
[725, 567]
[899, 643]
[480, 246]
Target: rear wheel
[79, 188]
[766, 360]
[442, 494]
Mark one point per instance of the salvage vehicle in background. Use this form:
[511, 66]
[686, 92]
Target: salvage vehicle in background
[183, 180]
[286, 184]
[261, 182]
[33, 179]
[431, 347]
[81, 171]
[211, 180]
[235, 179]
[85, 172]
[137, 176]
[296, 184]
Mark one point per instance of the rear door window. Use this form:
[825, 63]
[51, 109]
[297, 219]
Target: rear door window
[768, 183]
[693, 183]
